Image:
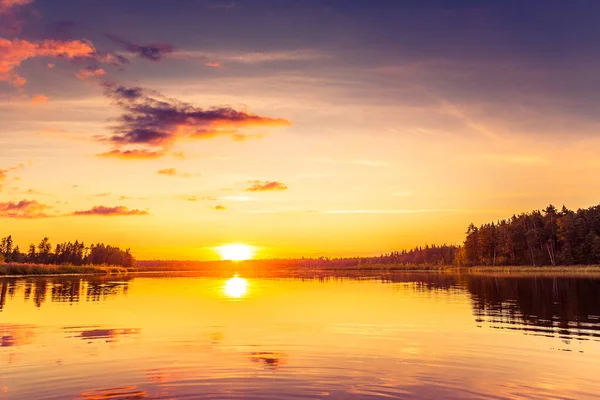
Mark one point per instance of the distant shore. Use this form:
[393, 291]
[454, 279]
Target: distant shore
[269, 268]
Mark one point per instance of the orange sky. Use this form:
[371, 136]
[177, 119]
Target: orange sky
[339, 140]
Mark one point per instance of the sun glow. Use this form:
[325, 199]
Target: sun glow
[235, 252]
[235, 287]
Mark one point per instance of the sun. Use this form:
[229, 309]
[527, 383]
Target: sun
[236, 252]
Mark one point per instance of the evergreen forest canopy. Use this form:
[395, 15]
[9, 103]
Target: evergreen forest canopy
[65, 254]
[547, 237]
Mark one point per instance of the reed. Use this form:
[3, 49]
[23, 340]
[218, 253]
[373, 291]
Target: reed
[12, 269]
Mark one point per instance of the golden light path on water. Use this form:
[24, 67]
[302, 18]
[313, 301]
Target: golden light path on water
[235, 287]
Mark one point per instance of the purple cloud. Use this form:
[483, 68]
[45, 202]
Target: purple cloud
[151, 51]
[150, 119]
[111, 211]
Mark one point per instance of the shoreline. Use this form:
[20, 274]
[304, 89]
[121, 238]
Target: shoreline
[34, 270]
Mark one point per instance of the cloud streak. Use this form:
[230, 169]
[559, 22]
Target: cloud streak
[92, 72]
[167, 172]
[39, 99]
[258, 186]
[151, 51]
[24, 209]
[110, 211]
[133, 154]
[4, 172]
[152, 120]
[255, 57]
[174, 172]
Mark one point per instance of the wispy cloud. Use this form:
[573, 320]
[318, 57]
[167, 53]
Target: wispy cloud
[454, 110]
[150, 119]
[111, 211]
[105, 194]
[5, 171]
[167, 171]
[24, 209]
[90, 72]
[254, 57]
[39, 99]
[175, 172]
[258, 186]
[14, 52]
[114, 59]
[31, 191]
[136, 154]
[151, 51]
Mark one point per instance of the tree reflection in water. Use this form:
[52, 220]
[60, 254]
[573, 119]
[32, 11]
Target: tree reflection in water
[63, 289]
[567, 307]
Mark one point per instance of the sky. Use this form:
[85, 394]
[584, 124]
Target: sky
[304, 128]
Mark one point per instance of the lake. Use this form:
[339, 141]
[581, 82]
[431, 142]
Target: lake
[390, 336]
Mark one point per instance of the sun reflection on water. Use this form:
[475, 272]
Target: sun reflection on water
[235, 287]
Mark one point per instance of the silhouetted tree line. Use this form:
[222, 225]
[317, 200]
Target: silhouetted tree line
[547, 237]
[67, 253]
[428, 255]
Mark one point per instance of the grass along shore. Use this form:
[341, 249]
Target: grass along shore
[29, 269]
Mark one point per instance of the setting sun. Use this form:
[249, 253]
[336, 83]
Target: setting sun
[236, 252]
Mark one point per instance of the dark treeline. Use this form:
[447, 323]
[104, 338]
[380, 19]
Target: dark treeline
[67, 253]
[547, 237]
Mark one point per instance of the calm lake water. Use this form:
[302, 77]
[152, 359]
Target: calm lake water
[398, 336]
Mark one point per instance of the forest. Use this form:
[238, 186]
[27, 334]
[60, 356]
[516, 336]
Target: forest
[67, 253]
[547, 237]
[541, 237]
